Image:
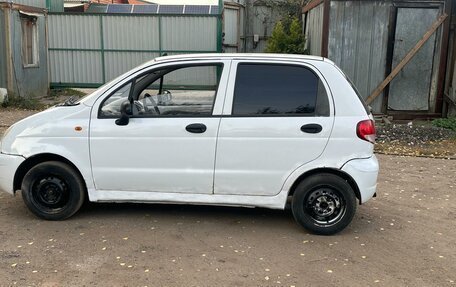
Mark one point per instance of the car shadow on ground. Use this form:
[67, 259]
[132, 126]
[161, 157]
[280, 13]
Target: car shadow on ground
[141, 214]
[203, 212]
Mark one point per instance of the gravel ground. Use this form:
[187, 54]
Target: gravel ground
[404, 237]
[414, 133]
[417, 139]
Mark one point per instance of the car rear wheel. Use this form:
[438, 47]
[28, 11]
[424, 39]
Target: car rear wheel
[324, 203]
[53, 190]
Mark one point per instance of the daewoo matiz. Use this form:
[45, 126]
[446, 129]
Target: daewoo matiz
[222, 129]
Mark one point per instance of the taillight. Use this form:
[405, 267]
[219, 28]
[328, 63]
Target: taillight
[366, 130]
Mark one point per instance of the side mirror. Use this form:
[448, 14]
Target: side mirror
[125, 112]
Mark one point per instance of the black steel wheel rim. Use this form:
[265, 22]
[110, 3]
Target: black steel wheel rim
[325, 205]
[50, 193]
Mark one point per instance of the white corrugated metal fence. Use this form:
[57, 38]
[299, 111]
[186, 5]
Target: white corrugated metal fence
[88, 50]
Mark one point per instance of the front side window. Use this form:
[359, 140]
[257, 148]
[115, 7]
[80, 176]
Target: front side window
[168, 92]
[111, 106]
[29, 41]
[278, 90]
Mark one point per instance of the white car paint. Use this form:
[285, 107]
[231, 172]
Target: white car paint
[163, 151]
[230, 164]
[244, 164]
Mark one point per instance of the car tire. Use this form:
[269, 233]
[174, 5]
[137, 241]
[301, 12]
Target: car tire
[53, 190]
[324, 204]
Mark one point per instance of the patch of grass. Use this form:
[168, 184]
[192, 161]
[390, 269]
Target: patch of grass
[449, 123]
[423, 123]
[55, 93]
[23, 103]
[40, 103]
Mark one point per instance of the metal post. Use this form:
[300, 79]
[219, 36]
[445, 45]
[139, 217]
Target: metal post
[46, 43]
[103, 66]
[219, 27]
[159, 35]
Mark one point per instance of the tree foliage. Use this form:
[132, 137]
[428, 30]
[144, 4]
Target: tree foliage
[290, 8]
[287, 37]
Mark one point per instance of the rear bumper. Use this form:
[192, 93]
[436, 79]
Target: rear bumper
[365, 173]
[8, 167]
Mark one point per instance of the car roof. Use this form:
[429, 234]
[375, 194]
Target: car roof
[231, 56]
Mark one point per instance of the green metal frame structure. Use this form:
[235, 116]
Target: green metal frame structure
[160, 51]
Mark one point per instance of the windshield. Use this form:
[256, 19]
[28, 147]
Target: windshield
[87, 99]
[104, 86]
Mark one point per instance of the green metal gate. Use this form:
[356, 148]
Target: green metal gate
[87, 50]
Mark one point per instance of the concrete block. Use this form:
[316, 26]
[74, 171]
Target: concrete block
[3, 95]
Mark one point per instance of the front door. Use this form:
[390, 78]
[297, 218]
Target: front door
[169, 142]
[277, 117]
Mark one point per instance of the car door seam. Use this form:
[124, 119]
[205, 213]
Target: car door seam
[219, 124]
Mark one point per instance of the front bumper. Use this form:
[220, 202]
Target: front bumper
[8, 167]
[365, 173]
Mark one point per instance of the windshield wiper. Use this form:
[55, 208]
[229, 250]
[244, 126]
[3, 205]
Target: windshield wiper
[71, 101]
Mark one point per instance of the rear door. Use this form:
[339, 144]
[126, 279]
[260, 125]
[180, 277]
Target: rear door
[277, 117]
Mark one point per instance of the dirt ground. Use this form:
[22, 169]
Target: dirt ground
[10, 116]
[404, 237]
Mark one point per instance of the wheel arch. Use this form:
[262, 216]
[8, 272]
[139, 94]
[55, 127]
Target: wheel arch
[334, 171]
[37, 159]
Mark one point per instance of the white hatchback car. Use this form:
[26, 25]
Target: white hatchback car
[220, 129]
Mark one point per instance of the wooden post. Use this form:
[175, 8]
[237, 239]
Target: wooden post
[325, 29]
[406, 59]
[9, 50]
[443, 59]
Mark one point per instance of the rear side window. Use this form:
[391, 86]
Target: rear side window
[278, 90]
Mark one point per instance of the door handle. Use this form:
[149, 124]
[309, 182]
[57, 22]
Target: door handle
[196, 128]
[311, 128]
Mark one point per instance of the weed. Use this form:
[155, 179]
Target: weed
[448, 123]
[55, 93]
[22, 103]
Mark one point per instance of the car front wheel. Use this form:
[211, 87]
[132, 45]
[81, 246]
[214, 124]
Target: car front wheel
[53, 190]
[324, 203]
